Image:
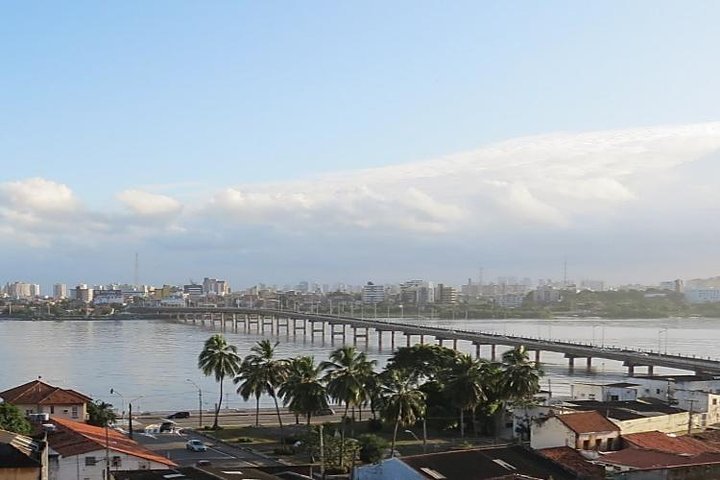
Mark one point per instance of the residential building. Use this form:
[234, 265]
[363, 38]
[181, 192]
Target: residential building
[213, 286]
[22, 290]
[446, 295]
[60, 291]
[22, 458]
[509, 300]
[573, 461]
[83, 293]
[193, 290]
[372, 293]
[546, 295]
[79, 450]
[417, 292]
[501, 462]
[699, 394]
[108, 297]
[702, 295]
[579, 430]
[201, 473]
[40, 397]
[633, 416]
[610, 392]
[592, 285]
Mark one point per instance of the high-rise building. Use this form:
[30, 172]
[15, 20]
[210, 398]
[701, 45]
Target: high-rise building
[213, 286]
[445, 294]
[372, 293]
[59, 291]
[83, 293]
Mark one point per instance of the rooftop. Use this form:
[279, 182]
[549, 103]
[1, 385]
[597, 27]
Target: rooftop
[573, 461]
[194, 473]
[651, 459]
[41, 393]
[486, 463]
[624, 410]
[587, 422]
[662, 442]
[17, 451]
[75, 438]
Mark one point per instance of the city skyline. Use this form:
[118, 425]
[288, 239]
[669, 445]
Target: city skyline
[271, 143]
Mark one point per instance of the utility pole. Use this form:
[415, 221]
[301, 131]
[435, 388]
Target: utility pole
[130, 427]
[322, 454]
[691, 401]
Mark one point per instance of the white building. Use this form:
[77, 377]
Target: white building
[59, 291]
[578, 430]
[699, 394]
[108, 297]
[702, 295]
[611, 392]
[78, 451]
[372, 293]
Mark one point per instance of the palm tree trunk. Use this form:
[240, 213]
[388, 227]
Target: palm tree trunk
[342, 436]
[308, 419]
[474, 422]
[277, 410]
[217, 408]
[397, 424]
[462, 423]
[257, 411]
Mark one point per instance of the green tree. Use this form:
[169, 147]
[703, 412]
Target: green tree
[251, 382]
[346, 372]
[101, 414]
[466, 386]
[12, 420]
[403, 403]
[269, 372]
[221, 360]
[371, 447]
[520, 380]
[303, 392]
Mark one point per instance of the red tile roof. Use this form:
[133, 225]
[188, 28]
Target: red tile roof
[662, 442]
[573, 461]
[650, 459]
[75, 438]
[587, 422]
[40, 393]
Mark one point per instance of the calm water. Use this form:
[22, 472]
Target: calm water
[153, 359]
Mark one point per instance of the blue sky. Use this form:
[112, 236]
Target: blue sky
[169, 128]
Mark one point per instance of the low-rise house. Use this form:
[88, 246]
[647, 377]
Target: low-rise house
[573, 461]
[197, 473]
[637, 416]
[22, 458]
[579, 430]
[79, 450]
[40, 397]
[609, 392]
[489, 463]
[698, 394]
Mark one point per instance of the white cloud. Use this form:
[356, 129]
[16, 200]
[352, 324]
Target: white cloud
[39, 196]
[150, 204]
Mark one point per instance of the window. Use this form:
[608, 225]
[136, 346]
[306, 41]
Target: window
[657, 391]
[116, 462]
[586, 445]
[90, 461]
[52, 409]
[28, 412]
[614, 398]
[74, 411]
[714, 401]
[598, 444]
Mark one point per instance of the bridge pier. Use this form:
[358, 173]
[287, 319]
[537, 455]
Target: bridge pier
[589, 362]
[493, 352]
[320, 330]
[379, 335]
[631, 370]
[440, 341]
[392, 340]
[269, 323]
[477, 350]
[571, 361]
[285, 325]
[407, 339]
[651, 370]
[454, 343]
[422, 339]
[537, 356]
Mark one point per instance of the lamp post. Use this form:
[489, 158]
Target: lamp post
[424, 440]
[130, 417]
[122, 403]
[660, 332]
[200, 403]
[402, 311]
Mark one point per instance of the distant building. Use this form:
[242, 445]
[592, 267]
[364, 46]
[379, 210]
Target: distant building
[108, 297]
[417, 292]
[59, 291]
[83, 293]
[446, 295]
[546, 295]
[22, 290]
[673, 285]
[194, 290]
[702, 295]
[372, 293]
[509, 300]
[213, 286]
[592, 285]
[40, 397]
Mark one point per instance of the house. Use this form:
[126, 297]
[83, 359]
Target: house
[699, 394]
[573, 461]
[579, 430]
[637, 416]
[39, 397]
[196, 473]
[657, 455]
[22, 458]
[487, 463]
[609, 392]
[79, 450]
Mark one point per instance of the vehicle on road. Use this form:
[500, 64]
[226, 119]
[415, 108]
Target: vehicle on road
[325, 411]
[196, 446]
[179, 415]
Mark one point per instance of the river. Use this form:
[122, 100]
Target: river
[149, 361]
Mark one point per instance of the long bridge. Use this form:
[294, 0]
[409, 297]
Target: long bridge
[315, 324]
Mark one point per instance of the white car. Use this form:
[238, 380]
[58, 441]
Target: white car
[196, 446]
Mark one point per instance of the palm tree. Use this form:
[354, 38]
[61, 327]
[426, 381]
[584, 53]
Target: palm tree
[220, 359]
[100, 414]
[466, 385]
[345, 376]
[521, 377]
[303, 392]
[403, 403]
[269, 372]
[252, 383]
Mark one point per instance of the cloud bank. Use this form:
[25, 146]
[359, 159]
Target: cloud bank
[567, 185]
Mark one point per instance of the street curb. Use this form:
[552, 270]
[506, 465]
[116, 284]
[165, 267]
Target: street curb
[232, 445]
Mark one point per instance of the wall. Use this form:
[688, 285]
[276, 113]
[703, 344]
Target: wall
[675, 423]
[60, 411]
[19, 473]
[549, 433]
[608, 441]
[74, 468]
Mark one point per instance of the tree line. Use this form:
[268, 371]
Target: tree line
[419, 382]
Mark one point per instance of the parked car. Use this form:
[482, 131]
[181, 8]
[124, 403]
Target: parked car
[196, 446]
[325, 412]
[179, 415]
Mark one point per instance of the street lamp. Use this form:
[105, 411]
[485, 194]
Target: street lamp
[660, 332]
[424, 440]
[200, 403]
[402, 311]
[122, 403]
[130, 418]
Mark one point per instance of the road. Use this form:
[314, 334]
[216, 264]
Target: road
[172, 446]
[235, 418]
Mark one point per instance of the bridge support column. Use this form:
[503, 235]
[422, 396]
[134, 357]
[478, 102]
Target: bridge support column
[571, 362]
[392, 340]
[454, 343]
[651, 370]
[407, 338]
[493, 352]
[537, 356]
[440, 341]
[589, 362]
[477, 350]
[422, 339]
[631, 370]
[354, 335]
[379, 335]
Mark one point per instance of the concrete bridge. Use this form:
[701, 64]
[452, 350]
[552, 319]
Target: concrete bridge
[315, 325]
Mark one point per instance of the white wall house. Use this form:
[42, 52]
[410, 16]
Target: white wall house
[613, 392]
[578, 430]
[78, 451]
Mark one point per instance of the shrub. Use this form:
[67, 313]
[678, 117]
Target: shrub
[371, 447]
[244, 440]
[291, 440]
[284, 450]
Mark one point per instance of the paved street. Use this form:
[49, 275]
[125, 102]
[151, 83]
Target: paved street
[172, 446]
[232, 418]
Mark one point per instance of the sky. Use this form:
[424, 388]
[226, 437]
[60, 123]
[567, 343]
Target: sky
[358, 141]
